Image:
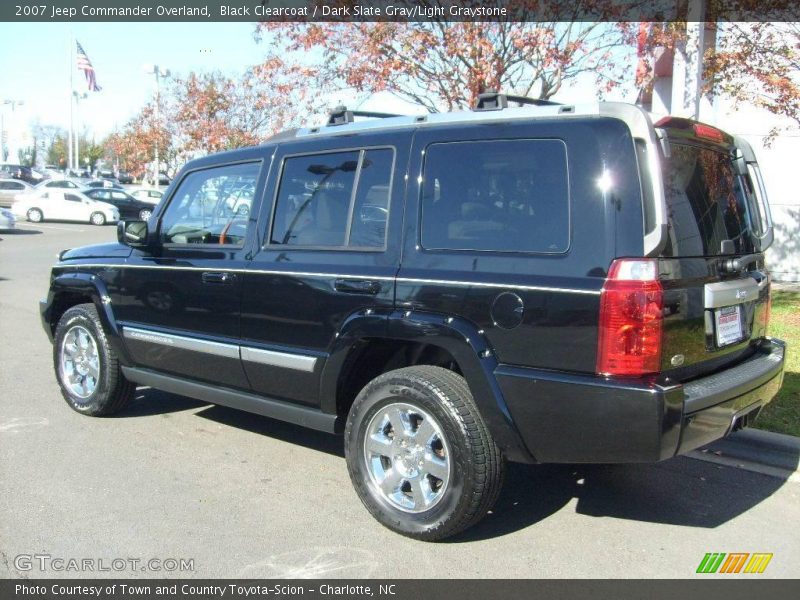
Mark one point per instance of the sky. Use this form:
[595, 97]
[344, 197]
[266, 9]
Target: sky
[35, 64]
[36, 69]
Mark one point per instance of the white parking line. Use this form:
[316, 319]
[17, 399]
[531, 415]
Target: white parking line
[37, 226]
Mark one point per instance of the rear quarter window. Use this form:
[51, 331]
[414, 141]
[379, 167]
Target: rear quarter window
[500, 195]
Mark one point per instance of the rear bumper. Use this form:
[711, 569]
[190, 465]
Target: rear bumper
[587, 419]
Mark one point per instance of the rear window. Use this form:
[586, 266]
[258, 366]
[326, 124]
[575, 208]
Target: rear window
[502, 196]
[706, 203]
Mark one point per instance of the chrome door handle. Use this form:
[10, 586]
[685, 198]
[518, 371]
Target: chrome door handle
[212, 278]
[357, 286]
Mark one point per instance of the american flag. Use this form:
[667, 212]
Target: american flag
[85, 65]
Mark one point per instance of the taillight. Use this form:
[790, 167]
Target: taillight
[631, 318]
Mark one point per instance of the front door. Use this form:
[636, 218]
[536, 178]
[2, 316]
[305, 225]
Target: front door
[179, 304]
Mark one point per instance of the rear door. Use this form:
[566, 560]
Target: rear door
[716, 287]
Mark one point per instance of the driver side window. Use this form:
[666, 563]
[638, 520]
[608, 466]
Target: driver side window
[207, 206]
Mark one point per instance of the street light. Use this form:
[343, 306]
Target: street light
[158, 72]
[13, 104]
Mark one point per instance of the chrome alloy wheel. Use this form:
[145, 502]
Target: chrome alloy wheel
[80, 363]
[407, 457]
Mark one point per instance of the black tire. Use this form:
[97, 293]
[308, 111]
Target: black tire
[477, 466]
[34, 215]
[144, 214]
[112, 391]
[97, 218]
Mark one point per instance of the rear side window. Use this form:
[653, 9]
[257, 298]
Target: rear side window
[334, 200]
[503, 196]
[706, 203]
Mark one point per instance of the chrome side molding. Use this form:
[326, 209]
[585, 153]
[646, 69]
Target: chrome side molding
[285, 360]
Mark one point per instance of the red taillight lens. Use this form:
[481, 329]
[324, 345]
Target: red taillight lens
[631, 318]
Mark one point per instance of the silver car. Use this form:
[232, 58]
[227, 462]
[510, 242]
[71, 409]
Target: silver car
[10, 189]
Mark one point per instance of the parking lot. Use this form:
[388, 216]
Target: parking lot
[244, 496]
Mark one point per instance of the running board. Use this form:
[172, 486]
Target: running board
[277, 409]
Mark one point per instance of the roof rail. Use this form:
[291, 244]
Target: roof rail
[492, 100]
[341, 116]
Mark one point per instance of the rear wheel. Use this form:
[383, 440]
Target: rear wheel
[86, 366]
[419, 455]
[35, 215]
[144, 214]
[98, 218]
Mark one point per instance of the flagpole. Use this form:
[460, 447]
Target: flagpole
[70, 50]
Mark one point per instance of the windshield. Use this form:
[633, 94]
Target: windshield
[707, 204]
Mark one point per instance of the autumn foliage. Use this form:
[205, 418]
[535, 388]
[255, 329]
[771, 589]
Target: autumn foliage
[441, 65]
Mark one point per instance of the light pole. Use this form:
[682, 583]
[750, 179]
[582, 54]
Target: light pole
[159, 72]
[13, 104]
[78, 97]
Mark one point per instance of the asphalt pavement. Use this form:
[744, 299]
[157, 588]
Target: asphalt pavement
[238, 495]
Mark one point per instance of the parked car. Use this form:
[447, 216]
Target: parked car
[10, 189]
[101, 183]
[148, 195]
[7, 220]
[66, 184]
[59, 205]
[163, 179]
[21, 172]
[128, 206]
[124, 177]
[450, 292]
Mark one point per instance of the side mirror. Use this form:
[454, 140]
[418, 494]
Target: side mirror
[132, 233]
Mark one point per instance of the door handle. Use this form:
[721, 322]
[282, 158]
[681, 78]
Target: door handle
[218, 278]
[357, 286]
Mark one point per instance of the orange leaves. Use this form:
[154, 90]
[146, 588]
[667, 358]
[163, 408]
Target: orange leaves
[443, 65]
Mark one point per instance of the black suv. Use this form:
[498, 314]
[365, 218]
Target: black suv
[549, 284]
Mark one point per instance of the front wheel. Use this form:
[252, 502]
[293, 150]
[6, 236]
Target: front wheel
[98, 218]
[86, 366]
[144, 214]
[419, 454]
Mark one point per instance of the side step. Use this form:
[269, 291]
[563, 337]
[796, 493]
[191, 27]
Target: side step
[277, 409]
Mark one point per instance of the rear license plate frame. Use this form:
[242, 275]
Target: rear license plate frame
[728, 328]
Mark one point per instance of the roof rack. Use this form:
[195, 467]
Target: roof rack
[341, 116]
[492, 100]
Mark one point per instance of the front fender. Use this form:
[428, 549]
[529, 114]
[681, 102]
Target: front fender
[76, 284]
[461, 338]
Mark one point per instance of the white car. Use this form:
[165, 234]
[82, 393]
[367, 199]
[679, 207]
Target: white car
[63, 205]
[64, 183]
[7, 219]
[148, 195]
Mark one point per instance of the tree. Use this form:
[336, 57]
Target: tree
[27, 155]
[443, 65]
[57, 151]
[759, 63]
[198, 114]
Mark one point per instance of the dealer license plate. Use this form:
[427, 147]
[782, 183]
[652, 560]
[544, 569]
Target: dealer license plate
[729, 325]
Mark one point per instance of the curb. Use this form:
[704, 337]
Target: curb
[773, 454]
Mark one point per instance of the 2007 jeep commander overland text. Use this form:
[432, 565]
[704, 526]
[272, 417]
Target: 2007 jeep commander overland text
[545, 283]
